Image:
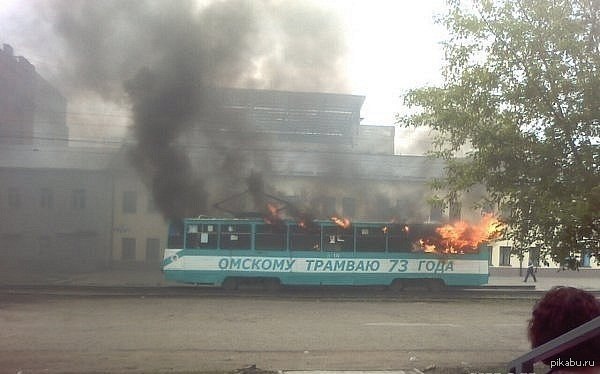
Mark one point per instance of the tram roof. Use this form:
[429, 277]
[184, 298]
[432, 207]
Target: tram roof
[290, 221]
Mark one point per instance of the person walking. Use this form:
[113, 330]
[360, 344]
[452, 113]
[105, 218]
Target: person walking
[530, 271]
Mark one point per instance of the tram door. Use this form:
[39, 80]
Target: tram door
[270, 241]
[338, 241]
[236, 239]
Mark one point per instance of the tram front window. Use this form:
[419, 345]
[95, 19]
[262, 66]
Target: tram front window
[201, 236]
[175, 239]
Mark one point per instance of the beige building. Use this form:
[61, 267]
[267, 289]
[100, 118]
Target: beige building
[139, 231]
[501, 255]
[55, 208]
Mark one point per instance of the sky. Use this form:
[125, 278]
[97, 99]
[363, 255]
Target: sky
[392, 46]
[395, 46]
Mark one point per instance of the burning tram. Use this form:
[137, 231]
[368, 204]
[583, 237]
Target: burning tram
[230, 252]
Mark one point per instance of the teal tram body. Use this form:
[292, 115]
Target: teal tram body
[227, 252]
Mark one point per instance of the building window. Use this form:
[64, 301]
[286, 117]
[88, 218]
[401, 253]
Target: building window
[151, 206]
[152, 249]
[454, 210]
[128, 249]
[129, 202]
[78, 199]
[435, 214]
[46, 198]
[14, 198]
[505, 256]
[490, 250]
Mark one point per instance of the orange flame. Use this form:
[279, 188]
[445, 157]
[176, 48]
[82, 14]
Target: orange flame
[462, 237]
[272, 209]
[272, 216]
[429, 248]
[305, 221]
[341, 222]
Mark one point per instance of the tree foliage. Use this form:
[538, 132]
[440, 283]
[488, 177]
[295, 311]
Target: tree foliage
[522, 92]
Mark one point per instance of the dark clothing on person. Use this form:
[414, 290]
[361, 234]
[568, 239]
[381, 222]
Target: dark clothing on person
[530, 271]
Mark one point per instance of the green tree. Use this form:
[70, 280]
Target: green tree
[521, 93]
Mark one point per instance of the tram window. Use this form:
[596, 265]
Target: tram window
[201, 236]
[236, 236]
[399, 238]
[370, 239]
[338, 239]
[422, 231]
[271, 237]
[303, 239]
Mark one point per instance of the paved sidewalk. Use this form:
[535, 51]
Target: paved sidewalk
[587, 279]
[351, 371]
[544, 283]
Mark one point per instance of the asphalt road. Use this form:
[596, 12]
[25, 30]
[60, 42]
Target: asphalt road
[49, 334]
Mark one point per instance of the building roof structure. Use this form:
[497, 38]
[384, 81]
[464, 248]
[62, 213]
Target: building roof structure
[32, 111]
[299, 113]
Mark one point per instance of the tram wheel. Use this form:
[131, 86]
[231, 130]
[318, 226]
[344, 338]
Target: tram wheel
[436, 285]
[272, 284]
[397, 285]
[230, 284]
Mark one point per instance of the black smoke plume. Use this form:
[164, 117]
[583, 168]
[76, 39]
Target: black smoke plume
[164, 59]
